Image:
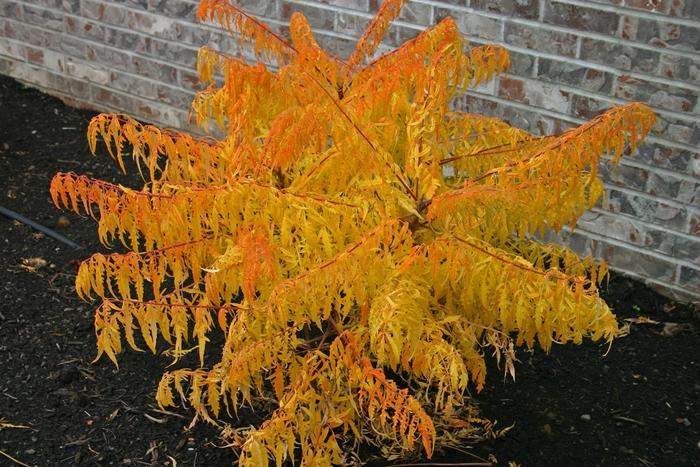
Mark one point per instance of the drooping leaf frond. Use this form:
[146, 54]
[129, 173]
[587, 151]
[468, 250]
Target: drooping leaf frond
[552, 185]
[367, 44]
[550, 306]
[169, 316]
[395, 408]
[312, 59]
[407, 330]
[266, 43]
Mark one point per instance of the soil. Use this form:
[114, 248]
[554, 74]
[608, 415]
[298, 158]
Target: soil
[636, 403]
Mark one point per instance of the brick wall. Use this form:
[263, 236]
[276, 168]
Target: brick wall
[571, 60]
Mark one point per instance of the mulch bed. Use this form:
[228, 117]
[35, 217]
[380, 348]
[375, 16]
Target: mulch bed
[637, 405]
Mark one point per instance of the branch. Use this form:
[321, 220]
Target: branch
[552, 273]
[493, 150]
[398, 176]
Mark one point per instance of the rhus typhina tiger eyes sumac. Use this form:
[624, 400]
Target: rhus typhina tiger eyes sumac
[361, 245]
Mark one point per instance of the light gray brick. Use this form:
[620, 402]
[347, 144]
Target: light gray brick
[694, 164]
[683, 131]
[194, 34]
[689, 192]
[534, 93]
[173, 53]
[72, 46]
[54, 61]
[472, 25]
[85, 72]
[359, 5]
[352, 25]
[175, 97]
[137, 4]
[179, 8]
[648, 209]
[530, 120]
[70, 6]
[158, 26]
[587, 107]
[669, 35]
[529, 9]
[656, 94]
[656, 6]
[128, 41]
[687, 247]
[690, 279]
[693, 227]
[624, 175]
[664, 185]
[666, 157]
[81, 28]
[617, 227]
[629, 27]
[621, 56]
[660, 241]
[629, 260]
[188, 80]
[77, 88]
[45, 18]
[318, 18]
[6, 65]
[134, 85]
[13, 49]
[521, 64]
[679, 68]
[151, 69]
[104, 54]
[108, 98]
[397, 35]
[267, 9]
[417, 13]
[31, 74]
[541, 40]
[340, 47]
[580, 18]
[691, 9]
[26, 33]
[11, 9]
[578, 241]
[35, 56]
[572, 74]
[103, 11]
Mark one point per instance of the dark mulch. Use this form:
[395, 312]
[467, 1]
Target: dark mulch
[636, 406]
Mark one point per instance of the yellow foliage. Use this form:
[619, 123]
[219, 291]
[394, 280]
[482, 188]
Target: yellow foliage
[361, 246]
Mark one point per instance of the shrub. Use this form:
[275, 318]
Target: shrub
[360, 245]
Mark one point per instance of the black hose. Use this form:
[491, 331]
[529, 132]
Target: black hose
[51, 233]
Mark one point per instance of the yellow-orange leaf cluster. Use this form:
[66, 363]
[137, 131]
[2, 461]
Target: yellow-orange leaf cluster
[360, 245]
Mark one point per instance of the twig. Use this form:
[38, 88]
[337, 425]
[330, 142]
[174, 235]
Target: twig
[167, 412]
[13, 459]
[72, 360]
[10, 396]
[154, 419]
[627, 419]
[78, 442]
[327, 333]
[4, 424]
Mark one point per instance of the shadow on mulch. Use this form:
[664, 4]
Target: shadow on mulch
[637, 405]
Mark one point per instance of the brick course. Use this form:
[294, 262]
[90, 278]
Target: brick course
[571, 60]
